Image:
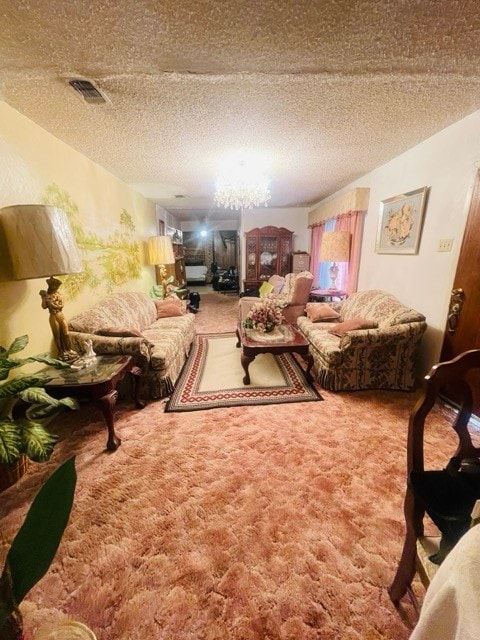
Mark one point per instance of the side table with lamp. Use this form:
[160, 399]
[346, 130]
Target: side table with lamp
[41, 243]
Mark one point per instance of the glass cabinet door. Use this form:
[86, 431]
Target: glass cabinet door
[268, 254]
[251, 257]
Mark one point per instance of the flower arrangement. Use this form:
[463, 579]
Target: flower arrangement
[264, 316]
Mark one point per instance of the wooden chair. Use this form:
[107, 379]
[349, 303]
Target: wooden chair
[456, 376]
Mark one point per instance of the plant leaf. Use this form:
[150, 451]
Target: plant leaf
[15, 386]
[40, 411]
[18, 345]
[10, 442]
[54, 362]
[6, 365]
[37, 395]
[37, 541]
[36, 442]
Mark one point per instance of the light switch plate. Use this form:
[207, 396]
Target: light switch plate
[445, 245]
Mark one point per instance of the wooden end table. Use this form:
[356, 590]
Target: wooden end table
[294, 342]
[96, 383]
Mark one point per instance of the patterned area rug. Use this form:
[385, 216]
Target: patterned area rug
[213, 378]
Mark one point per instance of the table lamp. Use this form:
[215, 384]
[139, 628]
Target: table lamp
[41, 243]
[335, 248]
[160, 253]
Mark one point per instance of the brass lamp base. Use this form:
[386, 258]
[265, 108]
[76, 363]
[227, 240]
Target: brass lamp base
[53, 301]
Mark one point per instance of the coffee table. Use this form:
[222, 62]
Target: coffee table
[96, 383]
[294, 342]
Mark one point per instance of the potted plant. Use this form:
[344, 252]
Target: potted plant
[23, 436]
[34, 546]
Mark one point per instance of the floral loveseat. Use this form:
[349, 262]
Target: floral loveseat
[379, 358]
[158, 346]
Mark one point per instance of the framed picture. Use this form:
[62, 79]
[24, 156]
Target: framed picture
[161, 228]
[400, 222]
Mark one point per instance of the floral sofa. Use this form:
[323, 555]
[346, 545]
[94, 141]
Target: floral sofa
[378, 358]
[159, 346]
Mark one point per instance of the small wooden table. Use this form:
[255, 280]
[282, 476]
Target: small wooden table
[294, 342]
[96, 383]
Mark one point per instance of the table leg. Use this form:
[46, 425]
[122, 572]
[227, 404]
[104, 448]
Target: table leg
[106, 405]
[246, 360]
[137, 374]
[309, 360]
[238, 339]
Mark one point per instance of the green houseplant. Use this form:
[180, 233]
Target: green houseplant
[24, 436]
[35, 545]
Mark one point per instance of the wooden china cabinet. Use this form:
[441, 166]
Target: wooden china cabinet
[268, 251]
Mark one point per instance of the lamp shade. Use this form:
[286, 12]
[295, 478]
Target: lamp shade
[40, 241]
[335, 246]
[160, 250]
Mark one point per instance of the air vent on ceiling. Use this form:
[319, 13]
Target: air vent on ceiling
[88, 91]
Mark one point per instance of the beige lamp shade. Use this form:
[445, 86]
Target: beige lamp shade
[335, 246]
[40, 241]
[160, 250]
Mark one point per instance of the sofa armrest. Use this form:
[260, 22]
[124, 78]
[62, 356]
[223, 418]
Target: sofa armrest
[139, 348]
[397, 334]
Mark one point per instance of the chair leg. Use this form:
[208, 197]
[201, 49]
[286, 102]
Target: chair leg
[414, 512]
[405, 571]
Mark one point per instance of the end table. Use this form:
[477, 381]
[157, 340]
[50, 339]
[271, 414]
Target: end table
[96, 383]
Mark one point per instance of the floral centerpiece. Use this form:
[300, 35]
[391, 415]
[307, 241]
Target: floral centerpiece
[264, 316]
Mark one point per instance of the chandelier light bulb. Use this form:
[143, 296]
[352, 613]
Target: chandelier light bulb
[241, 187]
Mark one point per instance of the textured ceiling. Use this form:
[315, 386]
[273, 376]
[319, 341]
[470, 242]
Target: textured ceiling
[325, 90]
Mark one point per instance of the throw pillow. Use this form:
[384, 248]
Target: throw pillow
[119, 332]
[169, 308]
[265, 289]
[320, 312]
[277, 283]
[352, 325]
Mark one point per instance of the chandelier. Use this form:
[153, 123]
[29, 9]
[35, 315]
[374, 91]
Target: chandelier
[242, 188]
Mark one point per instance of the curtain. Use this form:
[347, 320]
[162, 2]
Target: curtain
[315, 244]
[352, 222]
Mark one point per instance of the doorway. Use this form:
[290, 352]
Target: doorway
[462, 331]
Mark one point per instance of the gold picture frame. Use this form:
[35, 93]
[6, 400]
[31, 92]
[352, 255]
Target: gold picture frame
[400, 222]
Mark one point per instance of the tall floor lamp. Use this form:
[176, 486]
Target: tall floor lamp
[160, 253]
[41, 243]
[335, 248]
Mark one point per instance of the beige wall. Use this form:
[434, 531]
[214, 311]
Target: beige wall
[36, 167]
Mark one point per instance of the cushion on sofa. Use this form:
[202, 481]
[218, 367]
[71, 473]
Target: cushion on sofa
[119, 332]
[353, 324]
[265, 289]
[320, 312]
[169, 308]
[379, 306]
[124, 309]
[277, 283]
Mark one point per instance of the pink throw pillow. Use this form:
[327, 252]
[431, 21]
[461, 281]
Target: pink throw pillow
[352, 325]
[320, 312]
[119, 332]
[169, 308]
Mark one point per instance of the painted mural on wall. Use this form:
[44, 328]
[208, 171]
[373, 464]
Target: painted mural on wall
[107, 261]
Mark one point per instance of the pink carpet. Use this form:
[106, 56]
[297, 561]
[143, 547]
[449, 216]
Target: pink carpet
[278, 522]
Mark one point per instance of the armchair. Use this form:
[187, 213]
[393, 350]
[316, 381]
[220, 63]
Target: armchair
[293, 296]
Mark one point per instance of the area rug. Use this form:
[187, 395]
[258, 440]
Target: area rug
[213, 378]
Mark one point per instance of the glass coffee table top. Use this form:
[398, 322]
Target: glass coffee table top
[101, 369]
